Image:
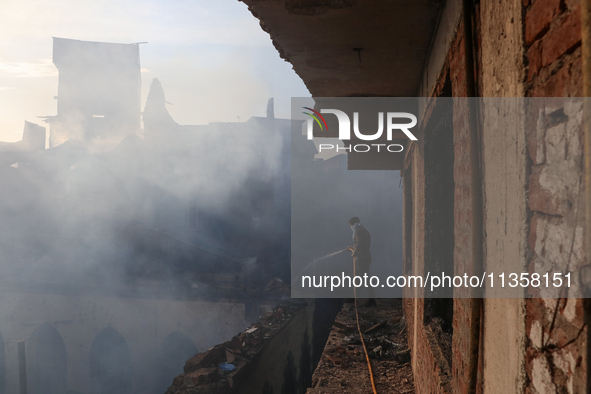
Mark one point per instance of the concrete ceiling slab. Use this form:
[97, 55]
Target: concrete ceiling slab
[352, 47]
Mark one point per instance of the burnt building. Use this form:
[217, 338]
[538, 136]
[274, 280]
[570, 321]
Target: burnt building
[98, 91]
[119, 263]
[487, 182]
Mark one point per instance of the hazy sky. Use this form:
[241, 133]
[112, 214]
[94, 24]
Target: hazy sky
[214, 61]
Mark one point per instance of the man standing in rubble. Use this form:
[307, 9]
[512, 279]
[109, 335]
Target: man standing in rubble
[361, 254]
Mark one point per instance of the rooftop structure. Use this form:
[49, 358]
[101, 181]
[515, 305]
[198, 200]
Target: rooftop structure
[98, 91]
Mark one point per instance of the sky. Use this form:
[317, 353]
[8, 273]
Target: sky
[214, 61]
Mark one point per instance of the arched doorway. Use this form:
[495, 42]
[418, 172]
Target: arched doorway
[174, 351]
[47, 362]
[110, 363]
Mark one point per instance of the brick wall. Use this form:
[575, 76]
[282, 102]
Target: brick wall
[555, 358]
[430, 370]
[548, 338]
[553, 48]
[429, 373]
[432, 374]
[462, 215]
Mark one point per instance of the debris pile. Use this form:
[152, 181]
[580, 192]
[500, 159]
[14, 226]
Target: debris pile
[276, 287]
[343, 364]
[220, 369]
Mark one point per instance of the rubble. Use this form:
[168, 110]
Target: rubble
[220, 369]
[343, 368]
[277, 287]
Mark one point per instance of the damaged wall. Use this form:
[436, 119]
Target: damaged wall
[99, 250]
[98, 91]
[536, 226]
[278, 354]
[531, 164]
[143, 323]
[556, 338]
[533, 225]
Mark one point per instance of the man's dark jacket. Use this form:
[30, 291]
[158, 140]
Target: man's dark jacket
[361, 243]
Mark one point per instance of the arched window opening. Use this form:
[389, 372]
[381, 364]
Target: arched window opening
[47, 362]
[174, 351]
[110, 363]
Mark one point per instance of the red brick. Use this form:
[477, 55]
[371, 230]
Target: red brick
[539, 17]
[533, 235]
[562, 38]
[540, 199]
[534, 134]
[572, 4]
[534, 55]
[535, 311]
[560, 336]
[579, 319]
[567, 82]
[534, 292]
